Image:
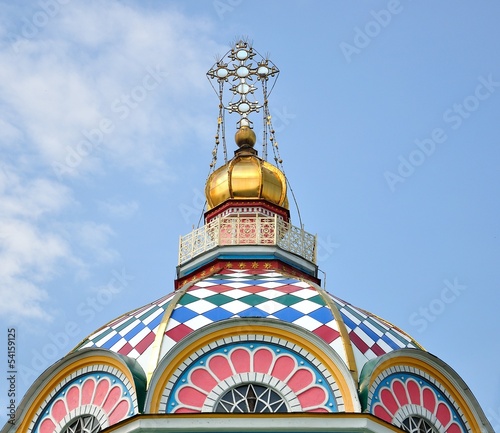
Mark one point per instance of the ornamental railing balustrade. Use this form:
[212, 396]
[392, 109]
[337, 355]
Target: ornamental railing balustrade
[247, 230]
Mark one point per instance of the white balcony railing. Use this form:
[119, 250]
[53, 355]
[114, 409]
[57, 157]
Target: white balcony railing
[247, 230]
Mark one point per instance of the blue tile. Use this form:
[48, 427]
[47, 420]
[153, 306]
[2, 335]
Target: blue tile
[369, 332]
[217, 314]
[288, 314]
[183, 314]
[111, 342]
[253, 312]
[322, 315]
[390, 342]
[348, 322]
[214, 281]
[270, 280]
[134, 331]
[156, 321]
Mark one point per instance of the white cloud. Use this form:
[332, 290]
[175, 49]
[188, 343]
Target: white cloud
[116, 208]
[95, 88]
[37, 242]
[95, 237]
[91, 63]
[30, 198]
[29, 249]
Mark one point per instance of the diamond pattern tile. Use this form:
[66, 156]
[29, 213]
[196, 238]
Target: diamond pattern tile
[252, 293]
[133, 333]
[369, 334]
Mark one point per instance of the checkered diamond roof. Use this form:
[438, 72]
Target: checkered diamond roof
[371, 336]
[244, 293]
[250, 293]
[133, 333]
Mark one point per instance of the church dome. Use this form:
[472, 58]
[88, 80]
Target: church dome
[248, 329]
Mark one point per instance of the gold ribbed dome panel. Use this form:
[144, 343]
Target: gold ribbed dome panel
[246, 177]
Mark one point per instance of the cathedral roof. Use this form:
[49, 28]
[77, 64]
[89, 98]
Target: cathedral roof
[261, 291]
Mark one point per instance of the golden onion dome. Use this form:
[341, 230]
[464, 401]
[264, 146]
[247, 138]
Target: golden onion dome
[246, 176]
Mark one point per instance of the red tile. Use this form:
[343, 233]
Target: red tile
[179, 332]
[358, 342]
[377, 350]
[125, 350]
[145, 342]
[326, 333]
[253, 289]
[287, 288]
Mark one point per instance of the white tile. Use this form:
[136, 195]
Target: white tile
[204, 283]
[305, 293]
[308, 323]
[361, 334]
[198, 322]
[201, 292]
[306, 306]
[235, 307]
[271, 307]
[236, 293]
[134, 341]
[235, 284]
[270, 285]
[200, 306]
[271, 294]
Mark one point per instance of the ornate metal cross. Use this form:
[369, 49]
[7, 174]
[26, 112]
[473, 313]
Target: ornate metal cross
[242, 67]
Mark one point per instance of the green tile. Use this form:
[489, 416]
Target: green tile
[101, 336]
[148, 313]
[376, 324]
[318, 299]
[253, 299]
[219, 299]
[288, 299]
[351, 310]
[402, 339]
[125, 324]
[187, 299]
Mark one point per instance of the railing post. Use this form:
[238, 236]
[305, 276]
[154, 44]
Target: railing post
[217, 227]
[275, 230]
[190, 248]
[180, 250]
[203, 231]
[258, 229]
[302, 242]
[238, 230]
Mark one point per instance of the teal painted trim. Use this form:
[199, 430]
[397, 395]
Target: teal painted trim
[140, 380]
[185, 270]
[364, 382]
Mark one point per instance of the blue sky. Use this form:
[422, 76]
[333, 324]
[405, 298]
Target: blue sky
[387, 117]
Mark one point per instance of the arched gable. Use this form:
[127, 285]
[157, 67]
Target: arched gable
[92, 383]
[282, 358]
[410, 384]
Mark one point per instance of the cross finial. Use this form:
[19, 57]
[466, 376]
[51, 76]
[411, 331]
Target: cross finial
[242, 68]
